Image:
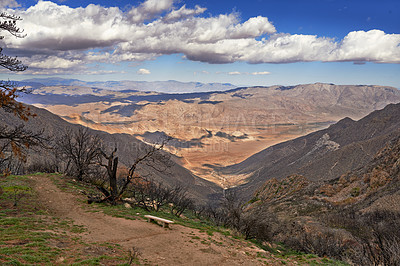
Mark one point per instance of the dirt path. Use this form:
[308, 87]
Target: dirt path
[176, 246]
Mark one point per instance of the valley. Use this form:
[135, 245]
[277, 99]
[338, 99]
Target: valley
[212, 130]
[199, 144]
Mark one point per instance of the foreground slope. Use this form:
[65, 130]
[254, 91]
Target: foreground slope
[322, 155]
[175, 246]
[52, 225]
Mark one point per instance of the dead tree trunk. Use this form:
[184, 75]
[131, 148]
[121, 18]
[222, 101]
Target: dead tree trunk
[112, 166]
[116, 193]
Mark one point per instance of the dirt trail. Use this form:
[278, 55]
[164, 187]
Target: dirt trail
[178, 245]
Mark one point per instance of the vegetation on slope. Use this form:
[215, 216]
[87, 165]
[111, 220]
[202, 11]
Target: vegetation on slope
[30, 234]
[33, 234]
[355, 218]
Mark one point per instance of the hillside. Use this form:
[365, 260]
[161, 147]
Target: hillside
[322, 155]
[51, 224]
[128, 148]
[206, 127]
[354, 217]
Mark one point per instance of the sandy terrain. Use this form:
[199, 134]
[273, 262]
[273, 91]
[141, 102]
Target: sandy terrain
[223, 153]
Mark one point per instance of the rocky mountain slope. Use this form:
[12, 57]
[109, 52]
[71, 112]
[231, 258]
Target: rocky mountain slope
[322, 155]
[128, 148]
[207, 128]
[354, 217]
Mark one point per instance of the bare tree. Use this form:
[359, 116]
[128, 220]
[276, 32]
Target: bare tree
[233, 209]
[14, 143]
[81, 149]
[155, 195]
[381, 246]
[112, 167]
[180, 200]
[159, 195]
[115, 191]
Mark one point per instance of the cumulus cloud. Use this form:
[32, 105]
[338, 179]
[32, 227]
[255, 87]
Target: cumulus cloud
[183, 13]
[9, 4]
[252, 28]
[373, 45]
[67, 38]
[149, 10]
[54, 62]
[59, 27]
[143, 71]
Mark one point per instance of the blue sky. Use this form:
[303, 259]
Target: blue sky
[253, 42]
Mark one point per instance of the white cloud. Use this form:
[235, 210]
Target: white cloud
[234, 73]
[252, 28]
[103, 72]
[373, 45]
[183, 13]
[67, 38]
[143, 71]
[261, 73]
[55, 62]
[149, 10]
[204, 72]
[246, 73]
[9, 4]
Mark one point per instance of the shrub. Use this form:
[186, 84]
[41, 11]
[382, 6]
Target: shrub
[355, 192]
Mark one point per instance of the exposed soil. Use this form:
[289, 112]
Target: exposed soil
[178, 245]
[223, 153]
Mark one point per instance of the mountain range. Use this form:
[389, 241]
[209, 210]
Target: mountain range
[170, 86]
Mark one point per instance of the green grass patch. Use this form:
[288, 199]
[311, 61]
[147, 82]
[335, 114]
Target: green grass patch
[30, 236]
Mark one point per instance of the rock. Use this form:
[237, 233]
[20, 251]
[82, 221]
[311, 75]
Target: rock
[129, 200]
[60, 260]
